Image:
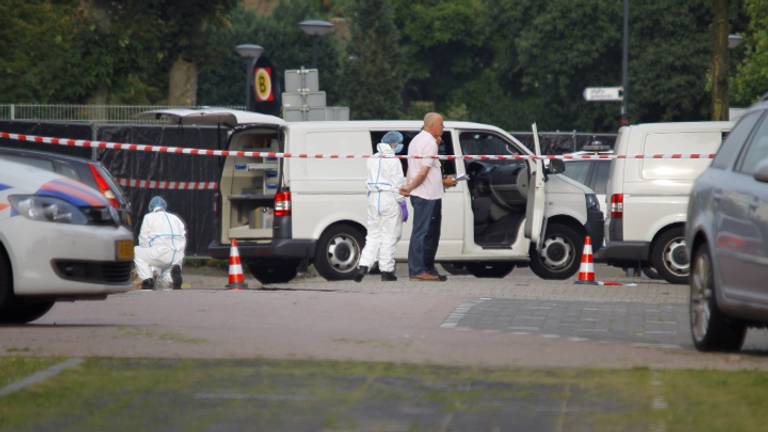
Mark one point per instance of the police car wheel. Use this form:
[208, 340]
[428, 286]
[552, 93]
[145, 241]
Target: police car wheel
[6, 290]
[23, 311]
[338, 251]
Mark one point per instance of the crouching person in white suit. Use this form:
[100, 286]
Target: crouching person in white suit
[162, 241]
[386, 208]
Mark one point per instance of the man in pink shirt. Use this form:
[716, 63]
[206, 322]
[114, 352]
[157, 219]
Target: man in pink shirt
[425, 185]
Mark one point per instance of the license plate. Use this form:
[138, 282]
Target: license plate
[124, 250]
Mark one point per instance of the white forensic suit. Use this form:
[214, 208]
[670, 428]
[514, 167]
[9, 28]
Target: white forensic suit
[385, 221]
[162, 241]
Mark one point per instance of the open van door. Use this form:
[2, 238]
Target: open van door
[534, 211]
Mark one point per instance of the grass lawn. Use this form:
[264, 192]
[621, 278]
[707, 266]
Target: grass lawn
[233, 395]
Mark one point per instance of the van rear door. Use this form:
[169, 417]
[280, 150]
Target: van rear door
[535, 206]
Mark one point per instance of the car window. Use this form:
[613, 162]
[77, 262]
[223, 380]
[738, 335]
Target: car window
[483, 143]
[67, 170]
[757, 151]
[44, 164]
[578, 170]
[600, 177]
[728, 152]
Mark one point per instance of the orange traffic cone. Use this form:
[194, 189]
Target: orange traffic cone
[587, 269]
[236, 276]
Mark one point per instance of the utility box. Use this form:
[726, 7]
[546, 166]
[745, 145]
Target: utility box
[300, 99]
[302, 80]
[303, 100]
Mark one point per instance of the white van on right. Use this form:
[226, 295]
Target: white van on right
[647, 197]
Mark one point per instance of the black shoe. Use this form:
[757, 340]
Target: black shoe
[441, 277]
[176, 277]
[360, 274]
[148, 284]
[388, 277]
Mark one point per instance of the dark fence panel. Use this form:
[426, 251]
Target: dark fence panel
[49, 129]
[195, 207]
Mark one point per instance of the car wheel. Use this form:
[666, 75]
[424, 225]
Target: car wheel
[560, 255]
[455, 268]
[490, 270]
[271, 271]
[23, 312]
[711, 330]
[6, 289]
[669, 257]
[338, 252]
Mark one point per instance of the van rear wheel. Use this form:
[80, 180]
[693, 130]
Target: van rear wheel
[670, 258]
[272, 271]
[560, 256]
[338, 252]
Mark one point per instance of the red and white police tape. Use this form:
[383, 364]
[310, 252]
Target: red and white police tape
[104, 145]
[162, 184]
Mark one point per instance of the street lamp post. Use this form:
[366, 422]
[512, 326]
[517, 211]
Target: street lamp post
[316, 29]
[252, 52]
[625, 68]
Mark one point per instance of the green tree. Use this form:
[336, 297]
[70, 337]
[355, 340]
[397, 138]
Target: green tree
[222, 76]
[446, 44]
[374, 77]
[38, 59]
[751, 81]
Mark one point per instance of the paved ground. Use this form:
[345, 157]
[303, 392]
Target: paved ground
[516, 321]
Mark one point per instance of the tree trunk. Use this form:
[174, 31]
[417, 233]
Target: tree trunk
[182, 88]
[720, 30]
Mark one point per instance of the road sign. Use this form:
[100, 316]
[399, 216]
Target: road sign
[603, 94]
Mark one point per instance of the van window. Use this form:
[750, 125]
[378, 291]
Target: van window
[578, 171]
[447, 167]
[735, 141]
[486, 143]
[757, 151]
[678, 143]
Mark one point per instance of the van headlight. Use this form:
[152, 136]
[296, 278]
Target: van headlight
[592, 202]
[47, 209]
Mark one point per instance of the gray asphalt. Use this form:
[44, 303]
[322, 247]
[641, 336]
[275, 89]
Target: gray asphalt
[519, 320]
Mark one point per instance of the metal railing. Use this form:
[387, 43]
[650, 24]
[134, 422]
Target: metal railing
[82, 113]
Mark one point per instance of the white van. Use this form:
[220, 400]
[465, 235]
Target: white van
[648, 198]
[284, 210]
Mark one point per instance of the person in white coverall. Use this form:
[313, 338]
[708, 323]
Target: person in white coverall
[386, 208]
[162, 241]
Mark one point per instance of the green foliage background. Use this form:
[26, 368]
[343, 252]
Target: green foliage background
[506, 62]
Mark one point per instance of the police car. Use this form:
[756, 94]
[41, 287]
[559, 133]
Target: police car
[60, 240]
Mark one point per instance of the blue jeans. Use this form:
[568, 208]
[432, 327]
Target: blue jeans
[425, 237]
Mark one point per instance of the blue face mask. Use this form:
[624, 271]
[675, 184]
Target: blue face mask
[399, 148]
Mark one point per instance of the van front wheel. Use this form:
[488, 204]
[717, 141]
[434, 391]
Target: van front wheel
[560, 255]
[338, 252]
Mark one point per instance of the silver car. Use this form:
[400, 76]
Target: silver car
[727, 238]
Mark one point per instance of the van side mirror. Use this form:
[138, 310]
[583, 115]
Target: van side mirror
[556, 166]
[761, 174]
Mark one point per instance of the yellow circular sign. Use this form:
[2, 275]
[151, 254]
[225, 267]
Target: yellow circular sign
[263, 85]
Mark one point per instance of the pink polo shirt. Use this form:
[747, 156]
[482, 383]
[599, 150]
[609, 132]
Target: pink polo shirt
[424, 144]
